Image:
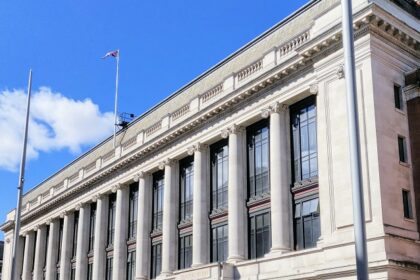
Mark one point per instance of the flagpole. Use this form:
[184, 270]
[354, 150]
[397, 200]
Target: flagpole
[354, 139]
[116, 96]
[20, 184]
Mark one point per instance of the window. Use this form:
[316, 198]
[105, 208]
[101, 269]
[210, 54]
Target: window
[90, 271]
[258, 158]
[156, 260]
[132, 213]
[307, 223]
[158, 183]
[187, 179]
[46, 250]
[111, 219]
[75, 229]
[92, 226]
[33, 259]
[398, 98]
[259, 235]
[185, 251]
[108, 271]
[408, 210]
[219, 243]
[303, 126]
[73, 273]
[402, 149]
[60, 241]
[219, 174]
[131, 265]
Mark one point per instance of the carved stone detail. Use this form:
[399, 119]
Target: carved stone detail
[167, 161]
[313, 88]
[340, 71]
[265, 113]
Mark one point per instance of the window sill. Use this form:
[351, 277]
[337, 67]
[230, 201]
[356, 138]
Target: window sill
[405, 164]
[401, 111]
[185, 223]
[156, 232]
[215, 213]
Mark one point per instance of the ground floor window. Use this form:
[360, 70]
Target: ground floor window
[108, 271]
[259, 235]
[131, 265]
[73, 273]
[90, 271]
[219, 243]
[307, 223]
[156, 260]
[185, 251]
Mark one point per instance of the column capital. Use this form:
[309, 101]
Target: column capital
[48, 221]
[116, 187]
[197, 147]
[64, 213]
[278, 107]
[97, 196]
[166, 162]
[313, 88]
[79, 205]
[233, 129]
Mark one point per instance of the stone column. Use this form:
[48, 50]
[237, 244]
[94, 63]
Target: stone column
[52, 252]
[82, 242]
[279, 179]
[67, 244]
[29, 253]
[201, 248]
[19, 257]
[170, 217]
[40, 252]
[99, 245]
[121, 231]
[144, 222]
[236, 194]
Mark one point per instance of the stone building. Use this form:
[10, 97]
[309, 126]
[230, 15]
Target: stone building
[244, 172]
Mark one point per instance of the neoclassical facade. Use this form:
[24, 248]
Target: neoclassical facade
[244, 173]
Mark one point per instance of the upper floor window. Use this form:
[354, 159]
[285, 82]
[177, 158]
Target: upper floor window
[219, 236]
[111, 219]
[156, 260]
[258, 158]
[402, 149]
[303, 126]
[60, 241]
[219, 174]
[408, 209]
[307, 223]
[92, 226]
[398, 97]
[132, 213]
[259, 235]
[185, 251]
[75, 230]
[186, 180]
[158, 185]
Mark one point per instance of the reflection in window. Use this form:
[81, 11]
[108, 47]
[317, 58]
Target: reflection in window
[259, 235]
[158, 183]
[219, 243]
[187, 179]
[219, 175]
[307, 223]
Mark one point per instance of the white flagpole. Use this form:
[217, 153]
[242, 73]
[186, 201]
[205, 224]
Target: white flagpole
[20, 184]
[116, 96]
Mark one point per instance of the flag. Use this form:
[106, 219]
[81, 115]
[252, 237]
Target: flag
[113, 54]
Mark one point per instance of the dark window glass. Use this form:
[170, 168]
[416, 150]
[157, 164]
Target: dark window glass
[57, 275]
[219, 174]
[303, 126]
[258, 158]
[111, 219]
[402, 149]
[46, 249]
[307, 223]
[132, 213]
[219, 243]
[75, 229]
[158, 183]
[92, 221]
[259, 235]
[90, 271]
[156, 260]
[186, 197]
[131, 265]
[408, 210]
[60, 241]
[73, 273]
[33, 259]
[185, 251]
[398, 97]
[108, 271]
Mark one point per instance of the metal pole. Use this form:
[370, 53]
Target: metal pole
[355, 160]
[20, 184]
[116, 96]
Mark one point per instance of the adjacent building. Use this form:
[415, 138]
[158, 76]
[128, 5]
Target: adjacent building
[244, 173]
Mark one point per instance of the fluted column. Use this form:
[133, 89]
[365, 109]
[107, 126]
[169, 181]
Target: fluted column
[236, 195]
[170, 214]
[29, 253]
[82, 242]
[200, 254]
[99, 245]
[52, 252]
[66, 247]
[121, 228]
[40, 252]
[280, 189]
[144, 222]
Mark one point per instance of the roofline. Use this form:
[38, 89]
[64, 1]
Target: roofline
[299, 11]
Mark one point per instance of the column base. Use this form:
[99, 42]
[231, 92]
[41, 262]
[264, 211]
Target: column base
[278, 251]
[235, 259]
[164, 275]
[142, 278]
[195, 265]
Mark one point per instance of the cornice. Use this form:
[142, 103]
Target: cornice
[307, 50]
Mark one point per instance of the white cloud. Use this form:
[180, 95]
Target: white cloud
[56, 122]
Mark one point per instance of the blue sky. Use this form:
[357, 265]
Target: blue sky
[164, 45]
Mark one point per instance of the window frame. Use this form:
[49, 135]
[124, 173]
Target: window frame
[92, 223]
[214, 256]
[112, 207]
[154, 271]
[217, 190]
[131, 265]
[132, 212]
[254, 215]
[402, 149]
[398, 97]
[158, 196]
[185, 204]
[407, 204]
[300, 201]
